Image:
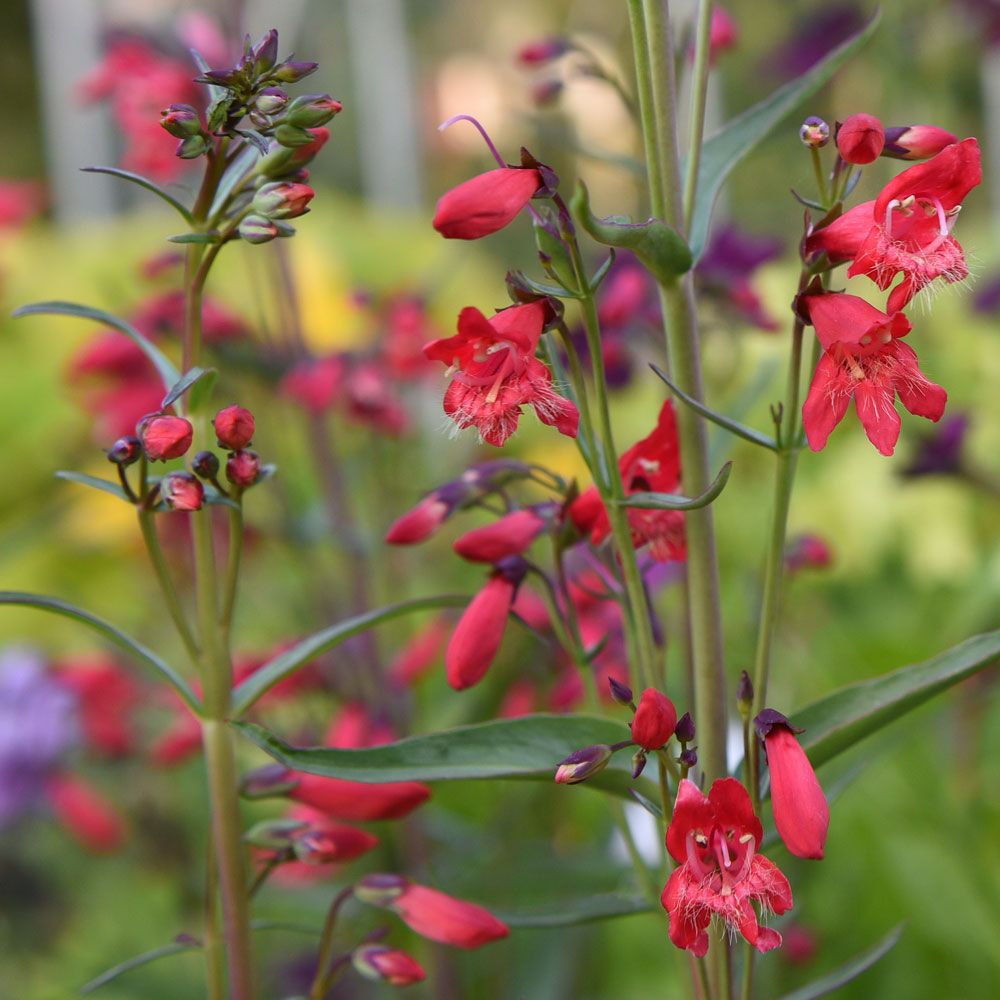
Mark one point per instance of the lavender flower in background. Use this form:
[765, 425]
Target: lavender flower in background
[940, 452]
[726, 267]
[987, 297]
[812, 38]
[38, 724]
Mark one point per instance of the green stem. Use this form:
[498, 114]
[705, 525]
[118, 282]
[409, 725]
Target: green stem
[233, 564]
[643, 85]
[579, 381]
[699, 93]
[215, 964]
[746, 990]
[821, 186]
[321, 981]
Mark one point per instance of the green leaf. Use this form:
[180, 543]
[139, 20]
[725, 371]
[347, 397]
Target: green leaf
[659, 247]
[527, 747]
[119, 638]
[215, 91]
[194, 238]
[201, 392]
[185, 382]
[98, 484]
[164, 366]
[285, 664]
[578, 911]
[849, 970]
[674, 501]
[845, 717]
[143, 182]
[137, 962]
[740, 135]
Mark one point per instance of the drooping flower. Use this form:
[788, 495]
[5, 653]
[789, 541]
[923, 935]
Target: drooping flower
[864, 359]
[655, 719]
[714, 839]
[495, 373]
[511, 535]
[389, 965]
[650, 465]
[801, 813]
[107, 696]
[907, 229]
[486, 203]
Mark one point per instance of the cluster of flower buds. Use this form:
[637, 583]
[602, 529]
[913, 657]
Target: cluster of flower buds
[234, 429]
[273, 204]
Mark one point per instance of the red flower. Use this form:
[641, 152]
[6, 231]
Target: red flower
[243, 468]
[324, 842]
[864, 359]
[652, 464]
[182, 491]
[916, 142]
[420, 653]
[496, 373]
[860, 139]
[510, 536]
[485, 204]
[714, 839]
[234, 427]
[164, 436]
[801, 813]
[107, 695]
[315, 384]
[85, 813]
[390, 965]
[654, 720]
[358, 801]
[443, 918]
[907, 228]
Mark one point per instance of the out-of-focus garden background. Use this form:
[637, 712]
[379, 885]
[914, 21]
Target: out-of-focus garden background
[915, 566]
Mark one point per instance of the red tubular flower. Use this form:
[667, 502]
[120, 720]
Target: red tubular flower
[358, 801]
[861, 139]
[714, 839]
[164, 436]
[325, 842]
[476, 640]
[916, 142]
[543, 50]
[496, 373]
[429, 514]
[654, 721]
[85, 814]
[652, 464]
[801, 813]
[485, 204]
[723, 34]
[510, 536]
[388, 965]
[864, 359]
[315, 385]
[234, 427]
[420, 653]
[443, 918]
[908, 227]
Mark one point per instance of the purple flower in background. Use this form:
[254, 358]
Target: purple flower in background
[812, 38]
[38, 724]
[987, 12]
[987, 297]
[940, 452]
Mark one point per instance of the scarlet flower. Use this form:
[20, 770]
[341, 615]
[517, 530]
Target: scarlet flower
[164, 436]
[443, 918]
[807, 552]
[315, 384]
[510, 536]
[485, 204]
[390, 965]
[908, 227]
[358, 801]
[496, 373]
[864, 359]
[723, 33]
[543, 50]
[916, 142]
[421, 521]
[654, 721]
[652, 464]
[860, 139]
[106, 694]
[476, 640]
[801, 813]
[234, 427]
[714, 839]
[85, 813]
[420, 653]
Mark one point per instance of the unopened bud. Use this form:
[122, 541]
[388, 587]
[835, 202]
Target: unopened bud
[205, 464]
[688, 757]
[814, 133]
[388, 965]
[283, 200]
[861, 139]
[234, 427]
[181, 121]
[546, 92]
[292, 136]
[125, 450]
[257, 229]
[271, 100]
[243, 468]
[312, 110]
[380, 890]
[744, 694]
[192, 147]
[182, 491]
[684, 730]
[916, 142]
[638, 763]
[322, 845]
[164, 436]
[268, 781]
[543, 51]
[265, 52]
[621, 693]
[275, 834]
[583, 764]
[291, 71]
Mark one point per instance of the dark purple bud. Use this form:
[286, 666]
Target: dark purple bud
[265, 52]
[688, 757]
[638, 763]
[940, 452]
[768, 719]
[621, 693]
[268, 781]
[744, 690]
[205, 464]
[582, 764]
[125, 450]
[292, 71]
[512, 568]
[684, 730]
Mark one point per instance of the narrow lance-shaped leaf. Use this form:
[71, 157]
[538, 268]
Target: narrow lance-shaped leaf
[143, 182]
[739, 136]
[659, 247]
[674, 501]
[845, 717]
[125, 642]
[188, 379]
[285, 664]
[849, 970]
[136, 963]
[164, 366]
[93, 482]
[578, 911]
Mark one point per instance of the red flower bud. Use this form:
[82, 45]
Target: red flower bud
[164, 436]
[543, 51]
[234, 427]
[182, 491]
[485, 204]
[476, 640]
[282, 200]
[180, 120]
[419, 523]
[312, 110]
[916, 142]
[390, 965]
[801, 813]
[85, 814]
[326, 842]
[860, 139]
[443, 918]
[243, 468]
[358, 801]
[654, 721]
[510, 536]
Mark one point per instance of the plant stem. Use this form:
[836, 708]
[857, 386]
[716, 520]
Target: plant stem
[748, 958]
[646, 877]
[824, 191]
[699, 93]
[233, 564]
[321, 981]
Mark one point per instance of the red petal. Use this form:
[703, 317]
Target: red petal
[826, 403]
[443, 918]
[485, 204]
[732, 805]
[843, 237]
[921, 396]
[876, 406]
[949, 177]
[476, 640]
[801, 813]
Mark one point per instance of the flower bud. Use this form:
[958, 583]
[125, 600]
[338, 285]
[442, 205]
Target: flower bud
[655, 720]
[192, 147]
[257, 229]
[860, 139]
[271, 100]
[744, 694]
[390, 965]
[181, 121]
[283, 200]
[292, 136]
[684, 730]
[509, 536]
[583, 764]
[638, 763]
[543, 50]
[268, 781]
[243, 468]
[688, 757]
[205, 464]
[621, 693]
[125, 450]
[916, 142]
[312, 110]
[323, 844]
[545, 93]
[234, 427]
[380, 890]
[485, 204]
[814, 132]
[182, 491]
[443, 918]
[275, 834]
[807, 552]
[164, 436]
[291, 71]
[265, 52]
